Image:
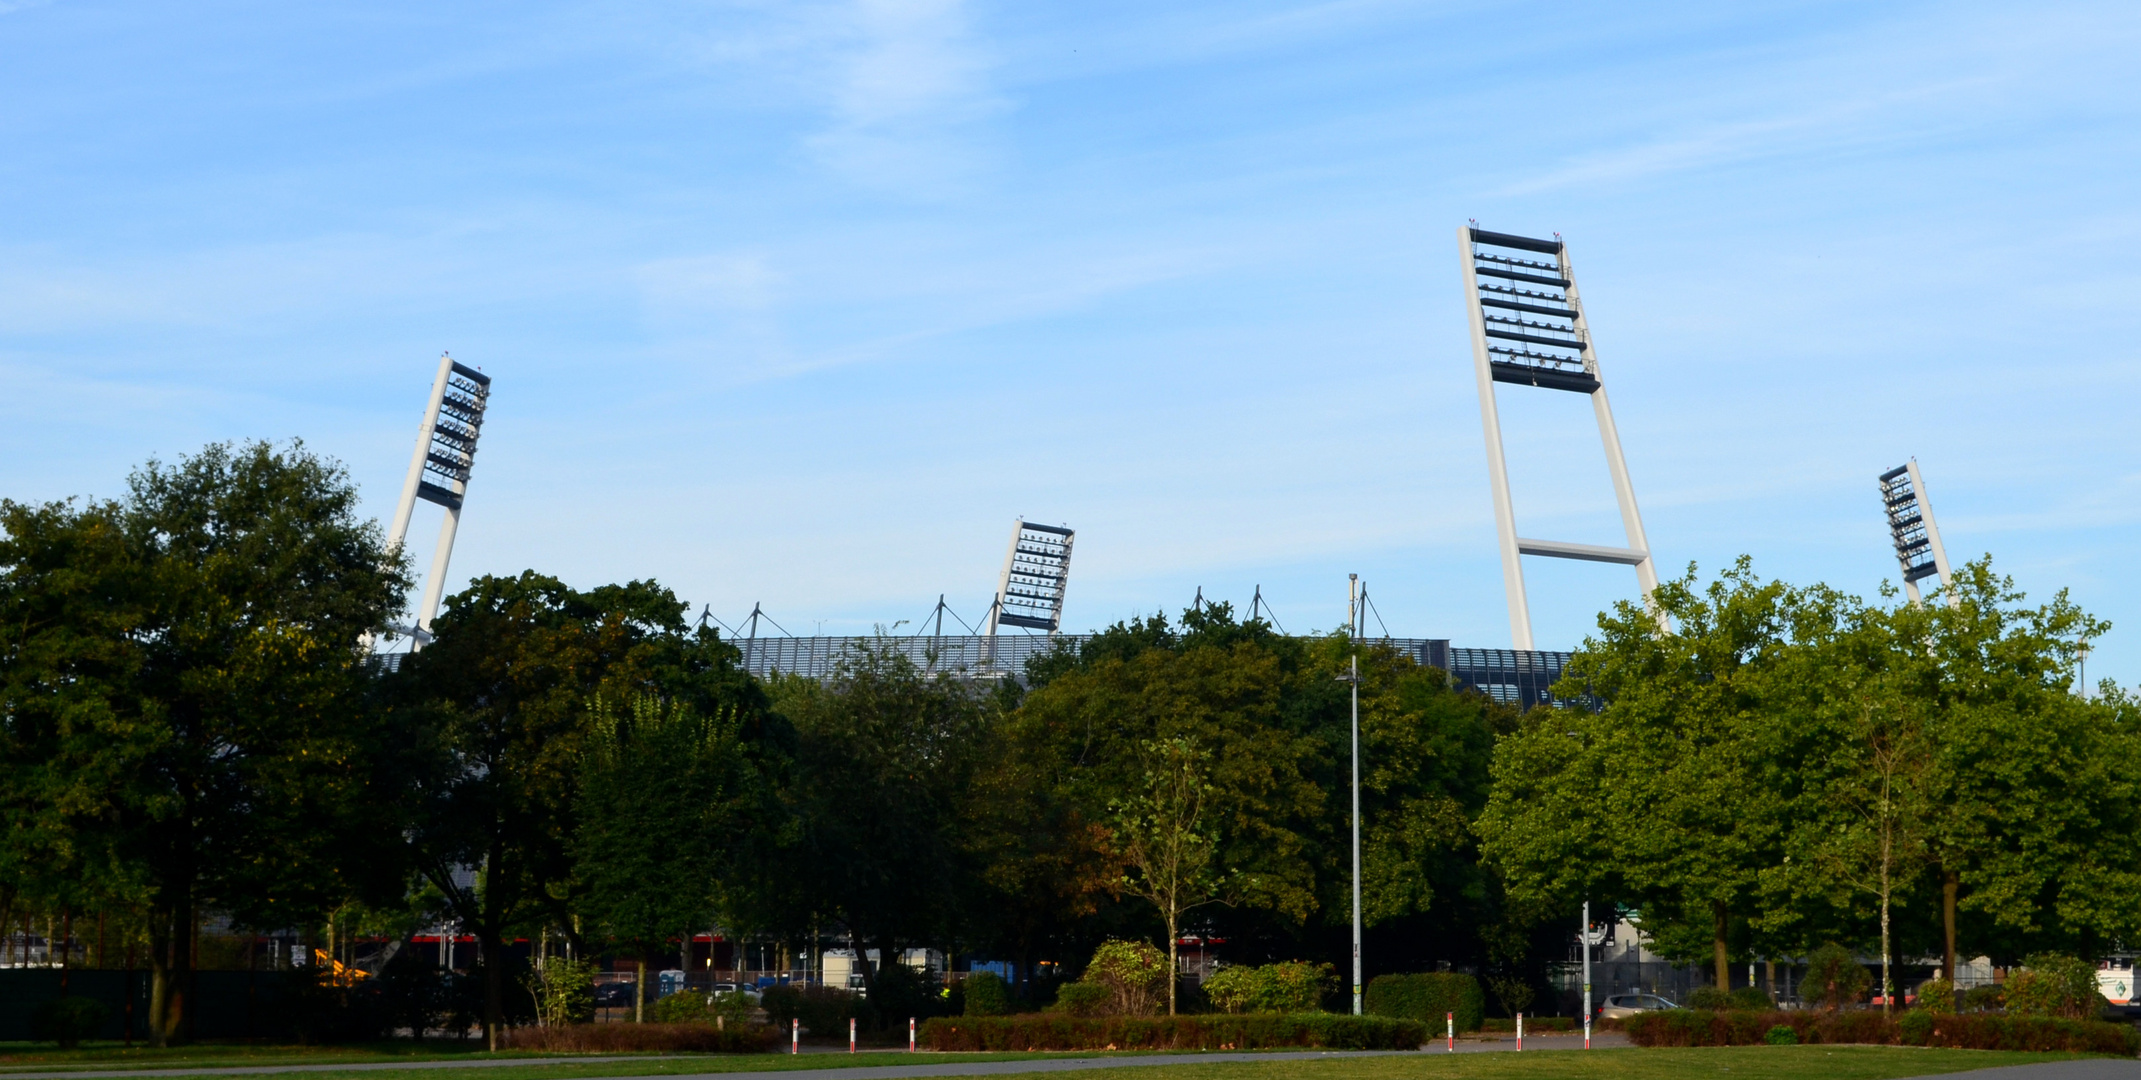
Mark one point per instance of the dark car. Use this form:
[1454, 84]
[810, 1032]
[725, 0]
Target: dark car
[614, 995]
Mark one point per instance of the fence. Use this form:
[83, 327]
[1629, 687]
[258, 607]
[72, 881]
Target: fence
[226, 1004]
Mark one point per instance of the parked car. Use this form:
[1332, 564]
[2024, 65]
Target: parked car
[1622, 1006]
[613, 995]
[750, 993]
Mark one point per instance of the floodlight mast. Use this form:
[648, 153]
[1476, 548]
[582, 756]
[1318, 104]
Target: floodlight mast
[446, 449]
[1552, 351]
[1916, 535]
[1036, 569]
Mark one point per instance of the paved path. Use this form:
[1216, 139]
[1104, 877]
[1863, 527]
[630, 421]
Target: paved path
[2086, 1069]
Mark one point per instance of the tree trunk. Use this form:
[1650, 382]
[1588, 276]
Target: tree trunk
[1950, 884]
[639, 991]
[1888, 979]
[493, 987]
[126, 1022]
[1717, 946]
[1172, 919]
[66, 945]
[887, 955]
[169, 954]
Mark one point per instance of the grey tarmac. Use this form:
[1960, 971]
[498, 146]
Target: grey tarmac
[2085, 1069]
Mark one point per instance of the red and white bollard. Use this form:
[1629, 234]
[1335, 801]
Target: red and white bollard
[1520, 1033]
[850, 1034]
[1449, 1023]
[910, 1034]
[795, 1035]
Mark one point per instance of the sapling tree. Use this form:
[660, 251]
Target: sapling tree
[1167, 842]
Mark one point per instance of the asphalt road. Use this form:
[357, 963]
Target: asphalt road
[2086, 1069]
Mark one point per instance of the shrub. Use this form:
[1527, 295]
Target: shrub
[1985, 998]
[1689, 1027]
[682, 1007]
[1984, 1031]
[2051, 984]
[1293, 986]
[1252, 1031]
[312, 1007]
[1082, 999]
[1834, 977]
[412, 992]
[1708, 997]
[732, 1008]
[1514, 993]
[986, 994]
[896, 993]
[1781, 1035]
[1426, 996]
[1935, 996]
[1135, 975]
[619, 1038]
[824, 1010]
[564, 991]
[69, 1020]
[1744, 998]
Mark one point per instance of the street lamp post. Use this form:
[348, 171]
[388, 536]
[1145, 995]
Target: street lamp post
[1585, 937]
[1353, 676]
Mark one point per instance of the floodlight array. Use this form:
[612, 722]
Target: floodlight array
[453, 436]
[1906, 524]
[1545, 349]
[1035, 577]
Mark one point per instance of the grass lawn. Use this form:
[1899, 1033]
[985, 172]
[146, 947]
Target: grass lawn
[1727, 1063]
[44, 1057]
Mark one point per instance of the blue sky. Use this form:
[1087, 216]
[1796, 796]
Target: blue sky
[803, 303]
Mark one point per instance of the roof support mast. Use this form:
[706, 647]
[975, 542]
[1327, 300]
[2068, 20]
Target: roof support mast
[1528, 328]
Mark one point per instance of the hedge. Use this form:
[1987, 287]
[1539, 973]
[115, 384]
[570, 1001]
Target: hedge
[1247, 1031]
[1696, 1027]
[619, 1038]
[1427, 996]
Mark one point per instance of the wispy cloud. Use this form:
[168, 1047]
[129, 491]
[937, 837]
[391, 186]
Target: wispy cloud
[910, 83]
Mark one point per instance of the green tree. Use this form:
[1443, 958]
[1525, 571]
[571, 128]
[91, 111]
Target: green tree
[186, 667]
[67, 577]
[664, 789]
[884, 779]
[1670, 797]
[1427, 751]
[500, 699]
[1254, 702]
[1859, 769]
[1274, 718]
[2032, 816]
